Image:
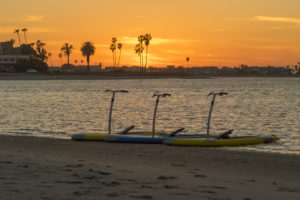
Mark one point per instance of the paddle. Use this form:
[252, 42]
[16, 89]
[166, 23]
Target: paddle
[126, 130]
[212, 105]
[172, 134]
[157, 95]
[111, 105]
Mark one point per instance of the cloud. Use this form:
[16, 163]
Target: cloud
[42, 30]
[277, 19]
[28, 18]
[154, 41]
[268, 39]
[267, 19]
[9, 29]
[33, 18]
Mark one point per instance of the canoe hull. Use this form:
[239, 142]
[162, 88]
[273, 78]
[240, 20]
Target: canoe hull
[212, 142]
[134, 139]
[101, 136]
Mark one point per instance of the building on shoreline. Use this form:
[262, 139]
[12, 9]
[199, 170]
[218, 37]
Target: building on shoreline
[10, 56]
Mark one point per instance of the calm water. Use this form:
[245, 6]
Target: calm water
[59, 108]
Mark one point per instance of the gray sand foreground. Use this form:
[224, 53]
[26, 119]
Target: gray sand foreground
[42, 168]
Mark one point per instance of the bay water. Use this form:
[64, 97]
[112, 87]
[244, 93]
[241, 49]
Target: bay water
[60, 108]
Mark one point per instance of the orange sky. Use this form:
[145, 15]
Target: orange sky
[210, 32]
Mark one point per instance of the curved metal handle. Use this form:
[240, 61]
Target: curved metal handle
[123, 91]
[156, 94]
[219, 93]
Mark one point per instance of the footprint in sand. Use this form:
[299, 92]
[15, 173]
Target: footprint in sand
[200, 176]
[141, 196]
[178, 165]
[23, 166]
[74, 166]
[167, 177]
[111, 183]
[287, 189]
[103, 173]
[6, 162]
[145, 187]
[80, 193]
[171, 186]
[208, 192]
[69, 182]
[114, 194]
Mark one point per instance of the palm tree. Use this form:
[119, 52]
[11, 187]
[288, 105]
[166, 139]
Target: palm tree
[88, 49]
[25, 30]
[187, 61]
[66, 49]
[76, 61]
[141, 39]
[147, 39]
[138, 50]
[81, 61]
[17, 32]
[41, 51]
[49, 56]
[120, 45]
[60, 56]
[113, 48]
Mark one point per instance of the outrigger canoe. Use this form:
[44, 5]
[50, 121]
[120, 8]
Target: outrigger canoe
[135, 139]
[222, 142]
[126, 136]
[101, 137]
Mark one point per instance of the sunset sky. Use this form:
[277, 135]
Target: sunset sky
[210, 32]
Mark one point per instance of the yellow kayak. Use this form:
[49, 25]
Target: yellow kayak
[214, 142]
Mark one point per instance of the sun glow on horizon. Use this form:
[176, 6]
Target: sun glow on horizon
[220, 33]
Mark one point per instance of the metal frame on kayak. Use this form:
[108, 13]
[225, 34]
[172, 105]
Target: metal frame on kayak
[220, 140]
[146, 139]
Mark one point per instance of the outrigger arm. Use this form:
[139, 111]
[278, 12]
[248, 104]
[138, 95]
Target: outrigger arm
[111, 105]
[157, 95]
[211, 107]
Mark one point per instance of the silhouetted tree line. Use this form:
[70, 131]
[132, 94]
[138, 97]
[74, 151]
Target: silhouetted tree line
[37, 57]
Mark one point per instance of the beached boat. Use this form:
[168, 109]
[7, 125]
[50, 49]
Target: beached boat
[135, 139]
[146, 136]
[215, 142]
[154, 138]
[101, 136]
[221, 140]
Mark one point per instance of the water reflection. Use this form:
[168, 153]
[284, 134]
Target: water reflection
[59, 108]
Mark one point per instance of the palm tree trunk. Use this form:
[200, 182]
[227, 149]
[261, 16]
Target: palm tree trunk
[19, 39]
[115, 62]
[140, 60]
[113, 54]
[88, 63]
[68, 62]
[25, 37]
[142, 56]
[119, 58]
[146, 57]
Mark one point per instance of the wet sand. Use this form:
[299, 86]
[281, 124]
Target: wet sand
[43, 168]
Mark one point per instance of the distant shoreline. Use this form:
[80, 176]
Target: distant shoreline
[113, 76]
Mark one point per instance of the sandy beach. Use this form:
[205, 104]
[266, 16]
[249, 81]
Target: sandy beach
[43, 168]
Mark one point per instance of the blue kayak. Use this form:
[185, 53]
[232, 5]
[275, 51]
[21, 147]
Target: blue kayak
[134, 139]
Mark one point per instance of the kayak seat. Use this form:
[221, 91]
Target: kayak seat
[225, 135]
